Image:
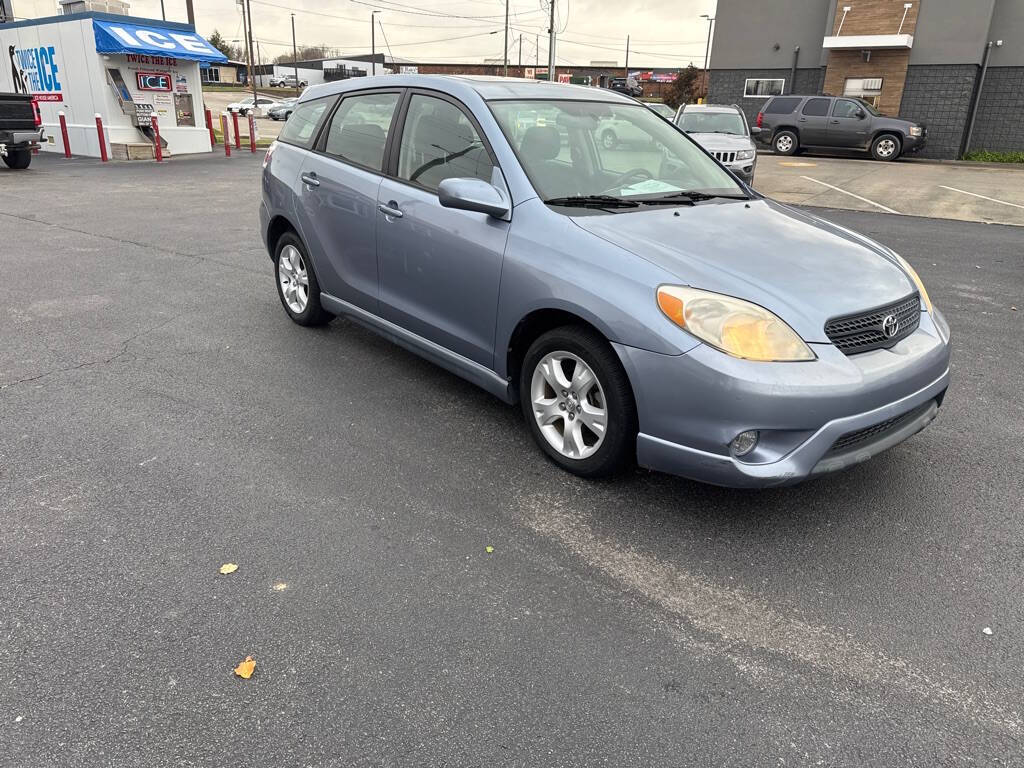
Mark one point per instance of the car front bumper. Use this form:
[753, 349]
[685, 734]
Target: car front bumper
[744, 169]
[913, 144]
[691, 406]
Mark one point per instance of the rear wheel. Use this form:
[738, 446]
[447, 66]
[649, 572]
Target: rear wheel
[785, 143]
[18, 159]
[578, 402]
[297, 286]
[885, 147]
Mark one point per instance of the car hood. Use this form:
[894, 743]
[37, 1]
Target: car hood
[800, 267]
[722, 141]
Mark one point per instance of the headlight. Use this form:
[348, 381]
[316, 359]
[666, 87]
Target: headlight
[734, 326]
[916, 130]
[912, 273]
[745, 154]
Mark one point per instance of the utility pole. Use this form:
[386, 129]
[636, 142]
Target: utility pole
[551, 46]
[252, 71]
[373, 43]
[295, 53]
[707, 51]
[536, 51]
[190, 12]
[506, 38]
[162, 14]
[520, 49]
[626, 73]
[259, 62]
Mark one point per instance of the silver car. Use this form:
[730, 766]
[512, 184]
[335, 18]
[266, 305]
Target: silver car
[639, 305]
[723, 131]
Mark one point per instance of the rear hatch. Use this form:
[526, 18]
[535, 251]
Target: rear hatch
[16, 112]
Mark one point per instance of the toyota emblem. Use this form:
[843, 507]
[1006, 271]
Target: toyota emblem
[890, 326]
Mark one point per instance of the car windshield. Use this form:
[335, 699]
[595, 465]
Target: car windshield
[713, 122]
[608, 153]
[663, 109]
[868, 107]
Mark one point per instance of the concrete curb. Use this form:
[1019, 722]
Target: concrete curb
[917, 160]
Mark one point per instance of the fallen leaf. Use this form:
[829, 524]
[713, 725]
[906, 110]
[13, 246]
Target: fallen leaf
[488, 550]
[987, 631]
[280, 586]
[245, 669]
[228, 568]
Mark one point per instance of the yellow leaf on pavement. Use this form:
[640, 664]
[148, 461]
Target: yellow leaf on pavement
[488, 549]
[245, 669]
[228, 568]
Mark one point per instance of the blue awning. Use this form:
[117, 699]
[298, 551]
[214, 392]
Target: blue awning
[118, 37]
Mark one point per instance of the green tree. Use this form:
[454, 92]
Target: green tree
[684, 89]
[217, 40]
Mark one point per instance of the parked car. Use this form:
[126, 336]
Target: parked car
[282, 110]
[287, 81]
[638, 307]
[660, 108]
[20, 129]
[626, 85]
[244, 106]
[794, 123]
[723, 131]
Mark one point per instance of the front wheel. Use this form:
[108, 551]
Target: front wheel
[18, 159]
[297, 286]
[886, 147]
[785, 143]
[578, 402]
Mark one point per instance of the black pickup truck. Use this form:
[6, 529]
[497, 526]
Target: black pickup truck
[20, 129]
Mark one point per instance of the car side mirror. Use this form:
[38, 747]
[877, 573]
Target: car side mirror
[755, 130]
[473, 195]
[860, 113]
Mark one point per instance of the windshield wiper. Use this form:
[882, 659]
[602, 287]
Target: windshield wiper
[593, 201]
[689, 197]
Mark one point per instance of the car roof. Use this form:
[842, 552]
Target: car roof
[711, 108]
[487, 87]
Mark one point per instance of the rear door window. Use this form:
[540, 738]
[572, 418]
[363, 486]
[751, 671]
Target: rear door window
[359, 129]
[301, 127]
[816, 107]
[781, 106]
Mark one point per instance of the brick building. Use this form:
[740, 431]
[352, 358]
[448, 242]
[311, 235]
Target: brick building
[936, 61]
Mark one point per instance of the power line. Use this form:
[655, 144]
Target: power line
[360, 20]
[397, 8]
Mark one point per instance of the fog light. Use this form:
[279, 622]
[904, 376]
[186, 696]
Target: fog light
[744, 443]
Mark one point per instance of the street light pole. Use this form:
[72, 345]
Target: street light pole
[373, 43]
[252, 73]
[506, 38]
[295, 54]
[162, 14]
[707, 51]
[190, 13]
[551, 45]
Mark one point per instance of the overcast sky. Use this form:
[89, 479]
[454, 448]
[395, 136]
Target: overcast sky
[664, 33]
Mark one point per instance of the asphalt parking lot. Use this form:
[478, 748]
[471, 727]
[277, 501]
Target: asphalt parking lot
[160, 416]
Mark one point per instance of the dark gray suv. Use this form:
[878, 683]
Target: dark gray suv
[793, 123]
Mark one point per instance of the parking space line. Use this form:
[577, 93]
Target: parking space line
[858, 197]
[983, 197]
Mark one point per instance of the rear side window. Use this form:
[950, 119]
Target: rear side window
[300, 129]
[782, 106]
[816, 107]
[359, 129]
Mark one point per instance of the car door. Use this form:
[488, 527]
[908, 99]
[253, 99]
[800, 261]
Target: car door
[849, 125]
[338, 194]
[813, 121]
[439, 268]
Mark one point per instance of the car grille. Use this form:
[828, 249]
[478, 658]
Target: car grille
[853, 440]
[725, 157]
[868, 330]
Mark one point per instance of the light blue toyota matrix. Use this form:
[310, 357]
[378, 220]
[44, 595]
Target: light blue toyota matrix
[637, 300]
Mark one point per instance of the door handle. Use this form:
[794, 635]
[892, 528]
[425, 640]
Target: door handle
[391, 209]
[835, 122]
[803, 119]
[310, 179]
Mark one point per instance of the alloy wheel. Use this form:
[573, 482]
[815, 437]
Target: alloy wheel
[294, 280]
[569, 405]
[784, 143]
[886, 147]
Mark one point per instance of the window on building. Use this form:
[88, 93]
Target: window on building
[210, 75]
[816, 107]
[300, 128]
[359, 129]
[439, 142]
[757, 88]
[867, 88]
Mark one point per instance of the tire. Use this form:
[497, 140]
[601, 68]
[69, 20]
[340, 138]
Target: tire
[886, 147]
[607, 402]
[287, 115]
[18, 159]
[302, 306]
[609, 140]
[788, 141]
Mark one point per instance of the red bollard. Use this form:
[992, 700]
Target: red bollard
[156, 135]
[209, 125]
[64, 134]
[103, 141]
[252, 133]
[234, 123]
[227, 139]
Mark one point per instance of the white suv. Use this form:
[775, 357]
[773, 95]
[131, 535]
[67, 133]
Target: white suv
[723, 131]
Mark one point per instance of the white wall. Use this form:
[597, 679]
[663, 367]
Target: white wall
[83, 90]
[309, 76]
